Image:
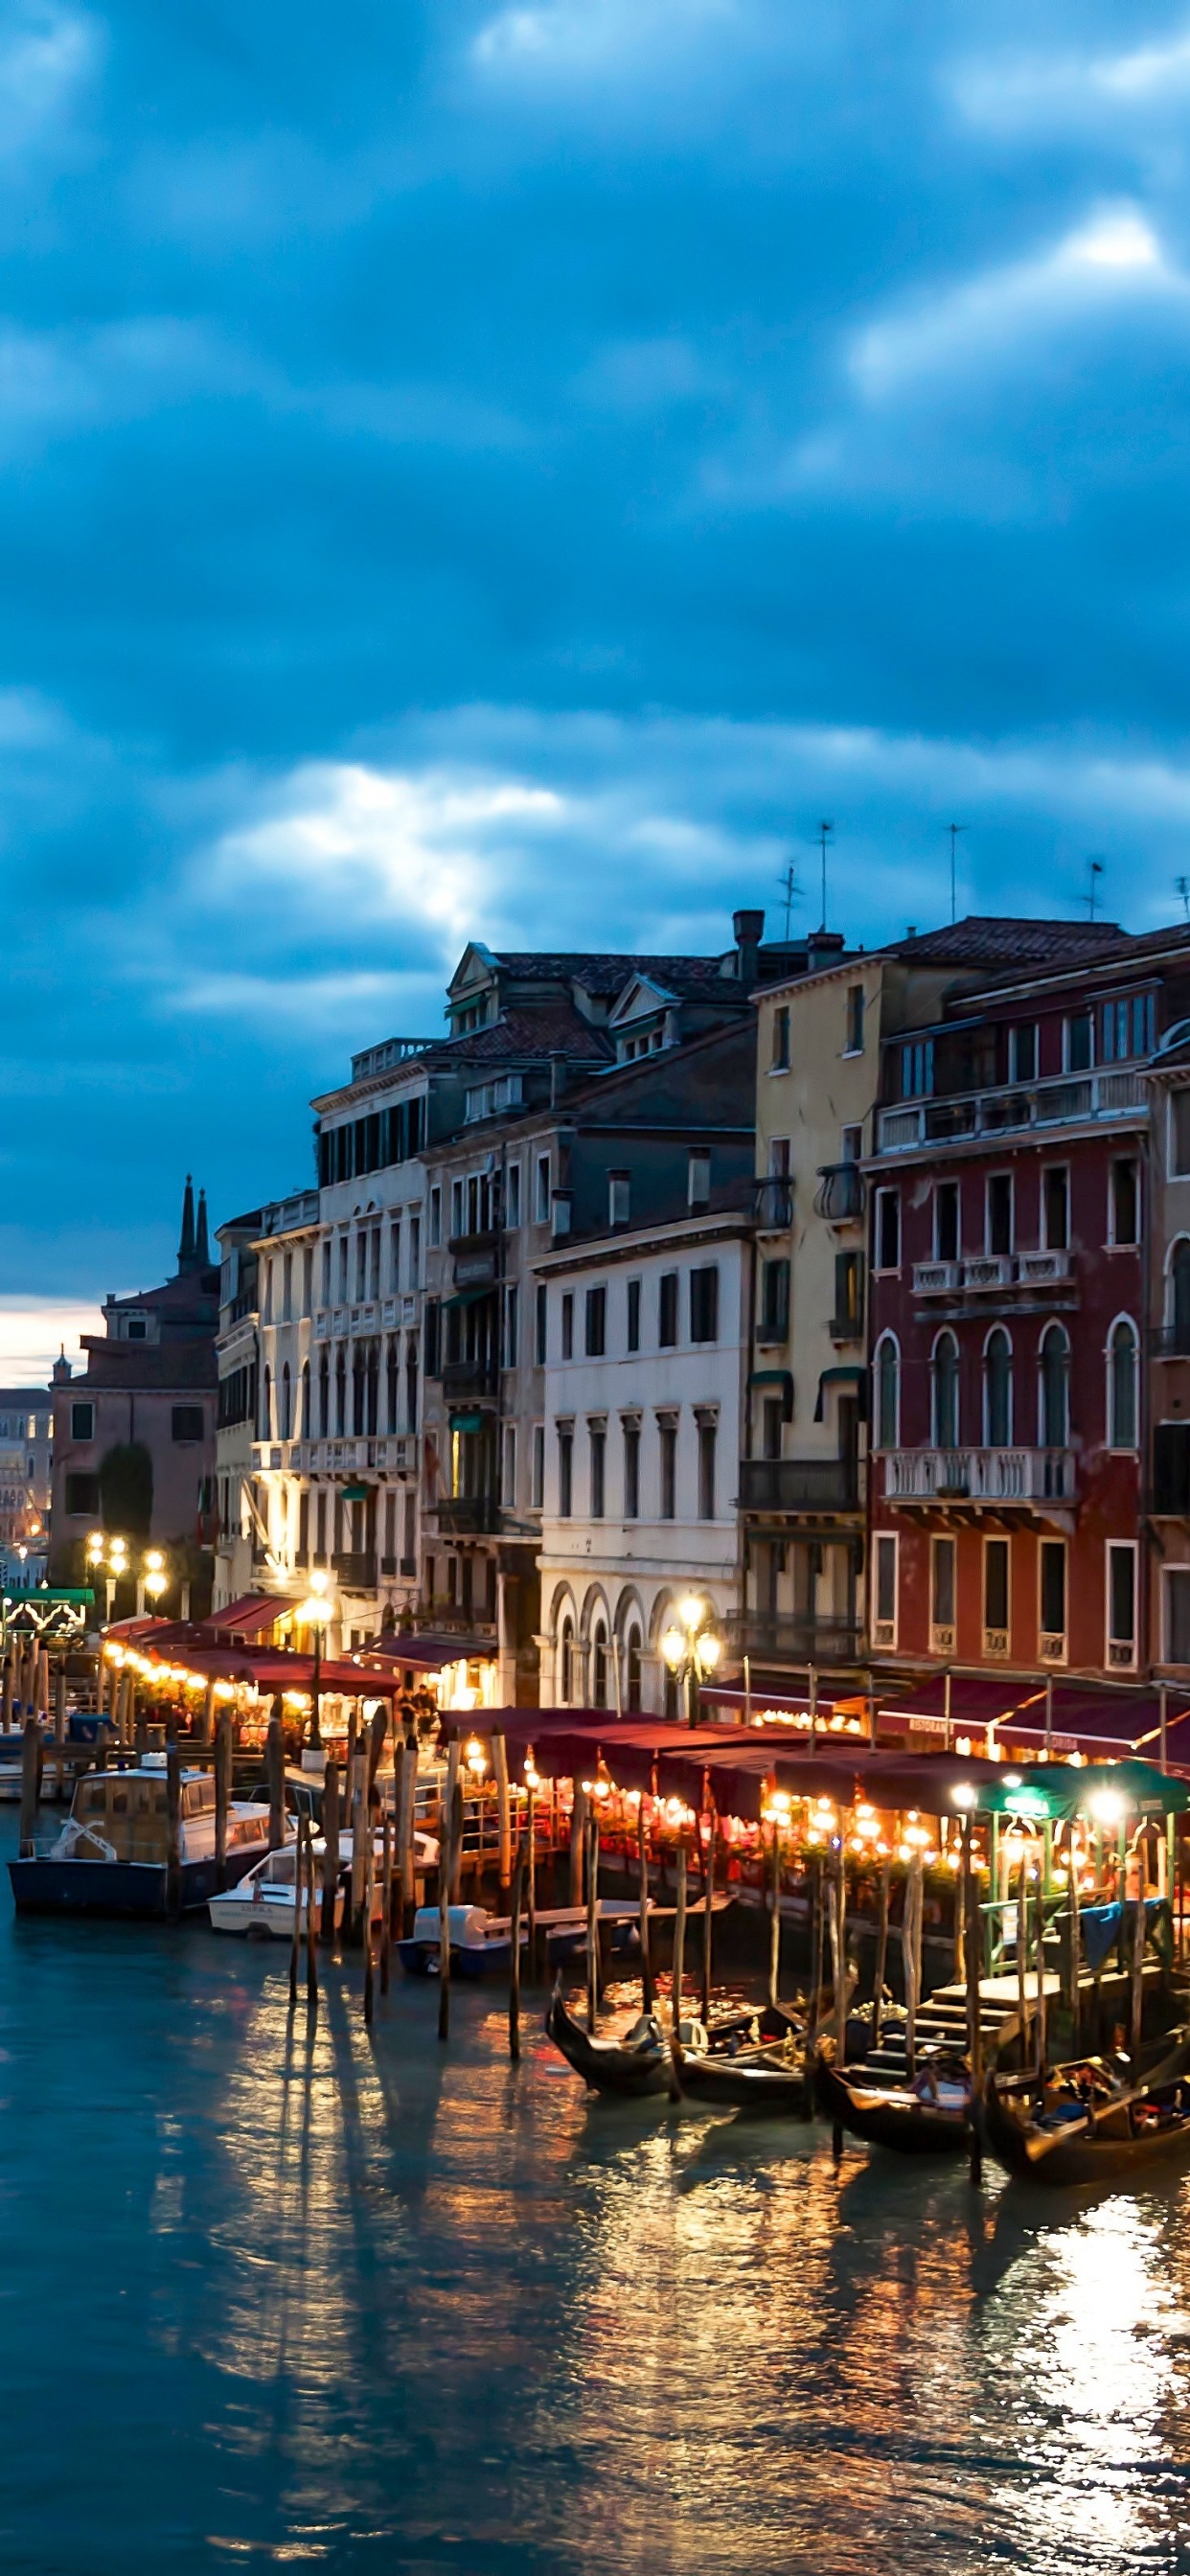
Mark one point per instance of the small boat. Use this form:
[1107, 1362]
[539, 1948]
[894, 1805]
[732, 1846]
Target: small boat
[112, 1854]
[633, 2066]
[479, 1942]
[771, 2079]
[261, 1907]
[930, 2117]
[1086, 2122]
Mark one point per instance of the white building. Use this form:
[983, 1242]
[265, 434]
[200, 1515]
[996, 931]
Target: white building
[646, 1361]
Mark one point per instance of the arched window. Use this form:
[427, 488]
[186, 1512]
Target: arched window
[341, 1393]
[888, 1393]
[1055, 1388]
[566, 1675]
[392, 1375]
[672, 1708]
[599, 1665]
[286, 1403]
[1121, 1385]
[305, 1428]
[372, 1425]
[997, 1390]
[358, 1393]
[324, 1396]
[945, 1373]
[1179, 1298]
[634, 1668]
[266, 1406]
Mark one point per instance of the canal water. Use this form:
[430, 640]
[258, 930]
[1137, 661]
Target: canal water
[357, 2302]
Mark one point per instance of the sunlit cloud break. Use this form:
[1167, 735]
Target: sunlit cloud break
[32, 1332]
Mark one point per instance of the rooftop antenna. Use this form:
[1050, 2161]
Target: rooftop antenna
[954, 830]
[1095, 871]
[790, 889]
[1183, 887]
[823, 830]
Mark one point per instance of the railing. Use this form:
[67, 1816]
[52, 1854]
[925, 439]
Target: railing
[846, 1328]
[775, 1637]
[988, 1270]
[470, 1515]
[357, 1571]
[936, 1278]
[773, 1205]
[799, 1484]
[329, 1457]
[996, 1113]
[842, 1196]
[979, 1475]
[994, 1271]
[1170, 1341]
[468, 1377]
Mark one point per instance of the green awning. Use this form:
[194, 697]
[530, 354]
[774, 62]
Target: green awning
[355, 1493]
[770, 1377]
[470, 1296]
[466, 1421]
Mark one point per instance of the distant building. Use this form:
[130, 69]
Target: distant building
[26, 1455]
[134, 1436]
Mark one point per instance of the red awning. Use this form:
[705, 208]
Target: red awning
[428, 1654]
[255, 1614]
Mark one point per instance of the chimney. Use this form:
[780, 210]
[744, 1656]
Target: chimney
[823, 948]
[747, 931]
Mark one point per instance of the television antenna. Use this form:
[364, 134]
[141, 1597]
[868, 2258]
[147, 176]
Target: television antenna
[790, 891]
[1183, 887]
[824, 831]
[1094, 872]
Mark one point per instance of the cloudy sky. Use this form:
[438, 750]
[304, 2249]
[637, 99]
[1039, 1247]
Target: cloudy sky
[511, 470]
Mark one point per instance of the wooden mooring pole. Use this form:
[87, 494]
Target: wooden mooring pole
[974, 1950]
[222, 1793]
[446, 1822]
[311, 1923]
[646, 1969]
[30, 1761]
[708, 1897]
[330, 1851]
[275, 1773]
[386, 1901]
[592, 1918]
[299, 1873]
[514, 1963]
[881, 1953]
[173, 1800]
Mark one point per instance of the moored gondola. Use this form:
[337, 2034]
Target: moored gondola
[770, 2081]
[633, 2067]
[1087, 2123]
[930, 2117]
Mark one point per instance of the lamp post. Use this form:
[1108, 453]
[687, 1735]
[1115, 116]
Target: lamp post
[692, 1651]
[154, 1578]
[314, 1613]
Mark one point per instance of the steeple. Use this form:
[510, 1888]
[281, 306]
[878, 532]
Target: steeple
[202, 1252]
[186, 1253]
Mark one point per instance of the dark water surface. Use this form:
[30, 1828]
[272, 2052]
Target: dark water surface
[360, 2302]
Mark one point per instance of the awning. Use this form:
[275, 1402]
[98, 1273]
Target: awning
[465, 1421]
[254, 1614]
[470, 1296]
[852, 1375]
[355, 1493]
[428, 1654]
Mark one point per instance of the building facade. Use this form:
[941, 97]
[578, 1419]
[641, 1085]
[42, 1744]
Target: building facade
[26, 1475]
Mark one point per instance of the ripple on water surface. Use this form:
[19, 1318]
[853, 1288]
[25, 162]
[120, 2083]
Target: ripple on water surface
[361, 2302]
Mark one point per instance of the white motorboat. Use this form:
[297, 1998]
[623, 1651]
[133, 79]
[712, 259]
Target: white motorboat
[261, 1907]
[112, 1854]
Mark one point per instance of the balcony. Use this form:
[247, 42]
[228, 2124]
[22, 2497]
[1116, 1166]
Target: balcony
[467, 1378]
[773, 1205]
[992, 1273]
[1170, 1341]
[936, 1278]
[774, 1637]
[989, 1270]
[356, 1572]
[987, 1478]
[475, 1258]
[842, 1195]
[468, 1515]
[1084, 1100]
[846, 1328]
[799, 1485]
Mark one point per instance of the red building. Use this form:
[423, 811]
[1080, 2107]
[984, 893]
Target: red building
[1008, 1196]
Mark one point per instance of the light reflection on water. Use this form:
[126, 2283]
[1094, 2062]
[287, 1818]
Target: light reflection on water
[278, 2296]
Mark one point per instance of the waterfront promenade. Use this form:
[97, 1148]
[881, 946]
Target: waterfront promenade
[360, 2302]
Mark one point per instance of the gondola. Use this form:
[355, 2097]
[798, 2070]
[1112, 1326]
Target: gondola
[633, 2067]
[762, 2080]
[1089, 2124]
[931, 2117]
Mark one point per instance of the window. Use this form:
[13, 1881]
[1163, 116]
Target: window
[668, 1435]
[667, 1310]
[458, 1207]
[565, 1471]
[772, 1415]
[344, 1256]
[537, 1495]
[848, 1320]
[631, 1470]
[597, 1443]
[1171, 1468]
[1126, 1028]
[1123, 1225]
[885, 1617]
[541, 1204]
[997, 1390]
[707, 1437]
[1079, 1043]
[944, 1373]
[566, 1662]
[704, 1304]
[599, 1665]
[942, 1596]
[512, 1197]
[286, 1421]
[1022, 1053]
[361, 1263]
[888, 1229]
[186, 1421]
[308, 1281]
[508, 1468]
[634, 1668]
[595, 1342]
[326, 1274]
[698, 1177]
[851, 1144]
[946, 1221]
[998, 1229]
[917, 1070]
[780, 1055]
[1122, 1350]
[82, 1420]
[540, 1323]
[780, 1152]
[619, 1198]
[996, 1626]
[774, 1301]
[855, 1020]
[436, 1216]
[1179, 1135]
[1055, 1388]
[135, 1328]
[1055, 1208]
[1052, 1601]
[568, 1326]
[394, 1256]
[414, 1249]
[1121, 1604]
[888, 1393]
[510, 1326]
[1177, 1614]
[634, 1314]
[82, 1495]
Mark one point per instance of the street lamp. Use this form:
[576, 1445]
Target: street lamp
[155, 1577]
[692, 1650]
[314, 1612]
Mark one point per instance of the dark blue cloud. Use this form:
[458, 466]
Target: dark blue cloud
[513, 467]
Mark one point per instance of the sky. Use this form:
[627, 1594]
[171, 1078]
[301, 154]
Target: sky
[512, 471]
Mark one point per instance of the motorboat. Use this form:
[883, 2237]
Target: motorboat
[112, 1854]
[1087, 2122]
[480, 1943]
[930, 2116]
[261, 1907]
